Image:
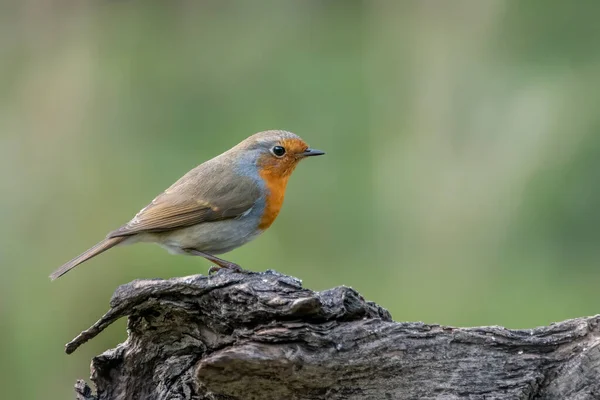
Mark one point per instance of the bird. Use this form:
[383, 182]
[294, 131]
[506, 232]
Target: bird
[217, 206]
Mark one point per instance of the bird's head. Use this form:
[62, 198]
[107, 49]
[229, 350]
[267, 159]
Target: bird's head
[276, 153]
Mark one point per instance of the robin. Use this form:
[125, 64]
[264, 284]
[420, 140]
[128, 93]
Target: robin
[217, 206]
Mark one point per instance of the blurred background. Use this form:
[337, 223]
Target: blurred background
[461, 183]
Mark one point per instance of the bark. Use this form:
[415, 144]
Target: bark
[262, 336]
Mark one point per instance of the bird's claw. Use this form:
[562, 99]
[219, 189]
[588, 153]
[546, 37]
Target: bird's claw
[231, 267]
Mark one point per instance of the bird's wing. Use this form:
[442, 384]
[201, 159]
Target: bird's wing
[191, 201]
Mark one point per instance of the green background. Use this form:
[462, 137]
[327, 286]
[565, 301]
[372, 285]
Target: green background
[461, 183]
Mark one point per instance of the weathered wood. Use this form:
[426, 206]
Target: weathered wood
[262, 336]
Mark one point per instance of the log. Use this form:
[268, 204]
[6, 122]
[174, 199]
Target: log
[234, 336]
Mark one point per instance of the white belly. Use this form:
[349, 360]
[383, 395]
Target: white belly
[212, 237]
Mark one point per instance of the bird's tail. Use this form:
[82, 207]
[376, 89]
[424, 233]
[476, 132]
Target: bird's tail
[94, 251]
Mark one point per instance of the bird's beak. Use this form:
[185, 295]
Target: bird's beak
[312, 152]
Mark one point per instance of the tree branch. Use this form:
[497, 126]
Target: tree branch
[262, 336]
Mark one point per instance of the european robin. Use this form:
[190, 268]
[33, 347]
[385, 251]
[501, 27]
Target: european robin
[219, 205]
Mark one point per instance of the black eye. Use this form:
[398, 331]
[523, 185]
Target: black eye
[278, 151]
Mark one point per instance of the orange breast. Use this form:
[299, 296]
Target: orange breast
[276, 184]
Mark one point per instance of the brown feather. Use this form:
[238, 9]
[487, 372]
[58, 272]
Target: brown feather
[204, 194]
[92, 252]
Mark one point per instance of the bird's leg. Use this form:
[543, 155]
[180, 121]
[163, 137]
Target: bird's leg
[219, 261]
[213, 269]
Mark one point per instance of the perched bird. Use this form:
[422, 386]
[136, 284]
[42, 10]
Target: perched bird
[217, 206]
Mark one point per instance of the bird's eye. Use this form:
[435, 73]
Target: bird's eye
[278, 151]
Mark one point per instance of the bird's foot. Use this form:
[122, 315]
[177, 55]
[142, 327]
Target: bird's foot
[229, 266]
[220, 263]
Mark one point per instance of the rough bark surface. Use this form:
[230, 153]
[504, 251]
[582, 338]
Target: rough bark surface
[262, 336]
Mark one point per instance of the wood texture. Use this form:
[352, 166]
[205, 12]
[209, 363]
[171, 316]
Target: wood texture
[262, 336]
